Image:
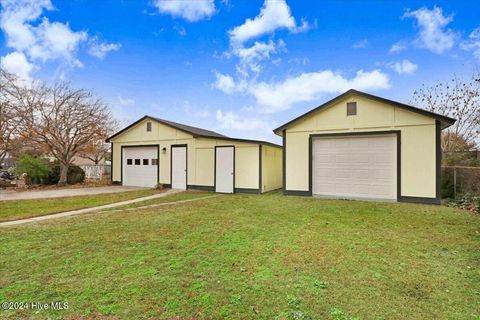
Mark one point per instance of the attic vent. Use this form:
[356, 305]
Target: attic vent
[149, 126]
[351, 108]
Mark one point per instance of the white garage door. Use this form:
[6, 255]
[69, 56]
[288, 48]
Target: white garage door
[140, 166]
[355, 167]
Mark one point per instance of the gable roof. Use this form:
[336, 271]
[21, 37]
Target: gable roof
[444, 120]
[194, 131]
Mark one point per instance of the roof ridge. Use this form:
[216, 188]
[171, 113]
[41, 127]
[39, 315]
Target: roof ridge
[447, 121]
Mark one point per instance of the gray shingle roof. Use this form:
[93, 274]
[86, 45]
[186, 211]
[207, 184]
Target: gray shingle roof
[193, 130]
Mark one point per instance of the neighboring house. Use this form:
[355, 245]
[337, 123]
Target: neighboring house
[361, 146]
[82, 161]
[153, 150]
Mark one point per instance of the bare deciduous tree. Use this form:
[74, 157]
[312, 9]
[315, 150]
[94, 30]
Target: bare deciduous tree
[459, 99]
[9, 114]
[64, 119]
[96, 149]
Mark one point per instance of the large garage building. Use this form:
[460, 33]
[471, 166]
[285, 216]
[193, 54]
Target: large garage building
[360, 146]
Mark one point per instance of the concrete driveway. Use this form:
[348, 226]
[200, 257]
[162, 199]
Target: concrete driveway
[66, 192]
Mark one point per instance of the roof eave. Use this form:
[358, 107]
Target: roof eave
[446, 121]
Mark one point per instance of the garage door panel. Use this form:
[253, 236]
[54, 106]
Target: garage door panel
[356, 167]
[361, 174]
[140, 166]
[342, 174]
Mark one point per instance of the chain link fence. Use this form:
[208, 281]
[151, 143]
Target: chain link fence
[457, 180]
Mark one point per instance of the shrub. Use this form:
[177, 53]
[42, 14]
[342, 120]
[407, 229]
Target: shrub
[447, 183]
[467, 202]
[75, 174]
[35, 167]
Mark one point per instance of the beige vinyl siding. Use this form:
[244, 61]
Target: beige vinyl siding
[271, 168]
[201, 156]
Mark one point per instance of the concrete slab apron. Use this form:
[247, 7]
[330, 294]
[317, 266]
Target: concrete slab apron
[86, 210]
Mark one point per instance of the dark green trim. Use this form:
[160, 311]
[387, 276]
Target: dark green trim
[215, 167]
[447, 121]
[111, 162]
[284, 162]
[248, 190]
[260, 159]
[198, 187]
[138, 146]
[186, 162]
[419, 200]
[438, 158]
[297, 193]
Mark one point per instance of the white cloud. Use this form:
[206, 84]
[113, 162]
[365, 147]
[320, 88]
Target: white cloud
[397, 47]
[100, 49]
[225, 83]
[231, 120]
[404, 67]
[16, 63]
[251, 57]
[279, 96]
[189, 10]
[273, 15]
[56, 40]
[39, 39]
[125, 101]
[433, 34]
[360, 44]
[473, 44]
[180, 30]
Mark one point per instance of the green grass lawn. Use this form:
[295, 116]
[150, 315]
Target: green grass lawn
[20, 209]
[249, 256]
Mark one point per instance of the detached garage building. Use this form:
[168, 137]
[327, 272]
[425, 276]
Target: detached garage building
[152, 151]
[361, 146]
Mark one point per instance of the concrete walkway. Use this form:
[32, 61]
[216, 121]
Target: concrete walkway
[62, 192]
[86, 210]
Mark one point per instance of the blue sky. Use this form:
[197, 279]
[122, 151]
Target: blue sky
[240, 68]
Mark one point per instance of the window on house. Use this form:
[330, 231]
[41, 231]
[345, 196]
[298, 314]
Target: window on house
[145, 162]
[351, 108]
[137, 162]
[154, 162]
[149, 126]
[129, 162]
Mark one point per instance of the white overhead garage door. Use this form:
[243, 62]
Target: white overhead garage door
[140, 166]
[355, 167]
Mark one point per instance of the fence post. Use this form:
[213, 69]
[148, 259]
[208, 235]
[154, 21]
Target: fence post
[455, 182]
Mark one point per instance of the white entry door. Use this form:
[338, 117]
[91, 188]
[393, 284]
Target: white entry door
[224, 169]
[140, 166]
[355, 167]
[179, 167]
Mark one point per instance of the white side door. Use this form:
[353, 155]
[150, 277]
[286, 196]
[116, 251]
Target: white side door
[179, 167]
[355, 167]
[224, 169]
[140, 166]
